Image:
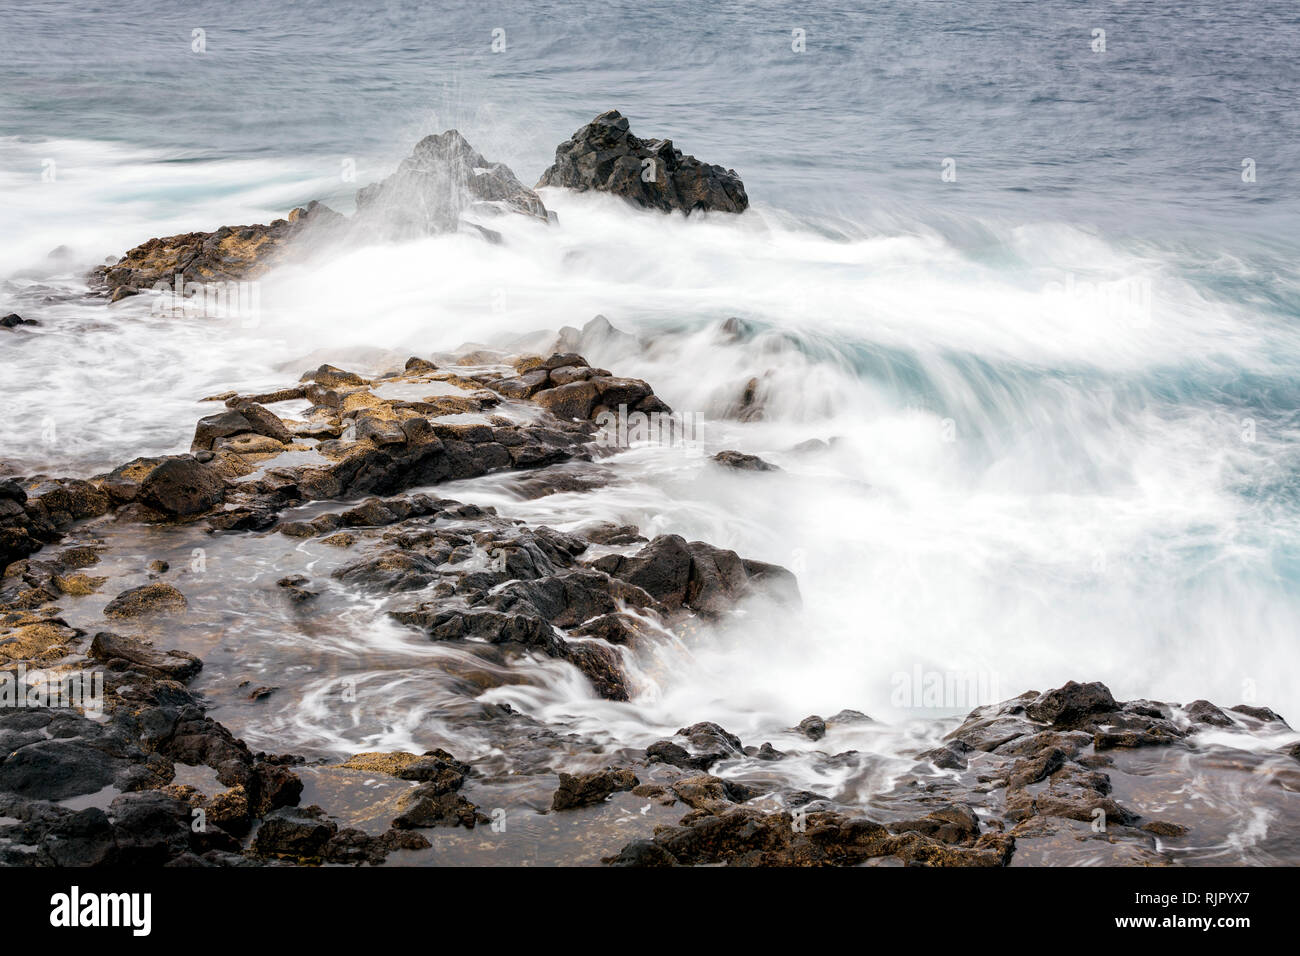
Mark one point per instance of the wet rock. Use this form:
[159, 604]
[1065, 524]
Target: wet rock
[588, 789]
[609, 532]
[169, 665]
[522, 386]
[573, 401]
[297, 834]
[146, 599]
[602, 667]
[1071, 703]
[1163, 828]
[438, 185]
[708, 736]
[767, 752]
[264, 422]
[182, 487]
[331, 376]
[605, 156]
[814, 728]
[229, 253]
[390, 571]
[615, 628]
[706, 792]
[743, 462]
[56, 754]
[1029, 770]
[431, 805]
[1259, 713]
[696, 575]
[221, 425]
[148, 828]
[644, 853]
[352, 846]
[741, 836]
[13, 320]
[952, 824]
[1203, 712]
[665, 751]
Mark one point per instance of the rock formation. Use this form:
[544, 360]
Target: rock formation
[606, 157]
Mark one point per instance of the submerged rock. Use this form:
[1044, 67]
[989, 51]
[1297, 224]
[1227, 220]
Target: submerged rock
[742, 462]
[606, 157]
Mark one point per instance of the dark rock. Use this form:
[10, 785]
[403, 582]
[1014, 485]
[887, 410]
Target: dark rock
[294, 834]
[182, 486]
[602, 667]
[264, 422]
[170, 665]
[643, 853]
[1069, 704]
[665, 751]
[222, 425]
[696, 575]
[588, 789]
[605, 156]
[573, 401]
[1259, 713]
[428, 805]
[708, 737]
[743, 462]
[814, 728]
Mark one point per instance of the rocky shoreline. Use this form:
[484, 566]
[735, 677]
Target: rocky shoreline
[1031, 775]
[334, 476]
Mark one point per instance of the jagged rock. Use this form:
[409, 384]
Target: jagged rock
[665, 751]
[741, 836]
[297, 834]
[814, 728]
[431, 805]
[605, 156]
[433, 189]
[588, 789]
[696, 575]
[707, 792]
[711, 741]
[229, 253]
[1070, 703]
[170, 665]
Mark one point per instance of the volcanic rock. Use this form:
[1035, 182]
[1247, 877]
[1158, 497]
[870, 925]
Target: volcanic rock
[606, 157]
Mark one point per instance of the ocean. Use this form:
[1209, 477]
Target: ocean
[1038, 283]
